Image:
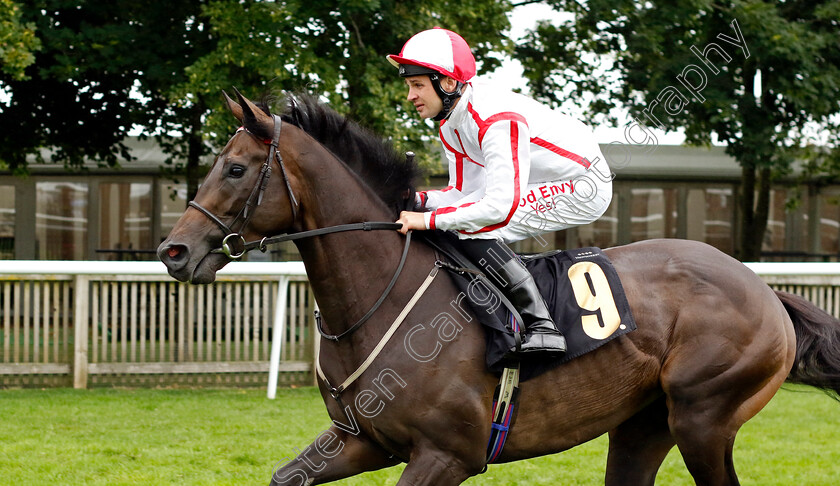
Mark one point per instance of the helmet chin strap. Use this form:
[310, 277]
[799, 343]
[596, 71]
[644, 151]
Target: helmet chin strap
[447, 97]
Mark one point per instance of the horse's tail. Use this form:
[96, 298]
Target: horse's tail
[817, 361]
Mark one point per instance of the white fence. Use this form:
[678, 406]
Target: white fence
[140, 327]
[818, 282]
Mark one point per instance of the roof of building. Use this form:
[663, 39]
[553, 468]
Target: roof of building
[627, 161]
[670, 161]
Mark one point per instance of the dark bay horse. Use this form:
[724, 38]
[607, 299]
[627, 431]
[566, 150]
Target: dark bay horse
[714, 343]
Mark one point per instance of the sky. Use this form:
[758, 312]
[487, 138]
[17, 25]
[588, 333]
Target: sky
[510, 76]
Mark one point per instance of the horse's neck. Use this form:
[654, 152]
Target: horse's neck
[346, 270]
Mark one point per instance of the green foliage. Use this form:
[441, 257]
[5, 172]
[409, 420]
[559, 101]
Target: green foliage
[77, 98]
[106, 67]
[649, 44]
[820, 163]
[691, 65]
[17, 41]
[333, 49]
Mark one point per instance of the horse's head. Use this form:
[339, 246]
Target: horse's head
[238, 199]
[324, 170]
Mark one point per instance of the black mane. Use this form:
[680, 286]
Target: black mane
[372, 157]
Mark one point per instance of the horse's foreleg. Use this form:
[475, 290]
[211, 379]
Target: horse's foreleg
[638, 446]
[434, 467]
[335, 454]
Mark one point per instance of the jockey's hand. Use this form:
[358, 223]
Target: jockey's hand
[411, 221]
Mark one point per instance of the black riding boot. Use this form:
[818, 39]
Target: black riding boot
[541, 336]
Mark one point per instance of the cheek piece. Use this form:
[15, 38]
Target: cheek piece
[447, 97]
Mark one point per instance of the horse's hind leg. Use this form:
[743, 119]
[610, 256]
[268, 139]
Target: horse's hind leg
[638, 446]
[705, 436]
[709, 399]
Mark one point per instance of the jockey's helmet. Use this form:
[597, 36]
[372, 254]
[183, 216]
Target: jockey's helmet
[436, 52]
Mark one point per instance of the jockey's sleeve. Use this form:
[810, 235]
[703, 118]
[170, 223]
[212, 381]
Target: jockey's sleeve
[436, 198]
[505, 146]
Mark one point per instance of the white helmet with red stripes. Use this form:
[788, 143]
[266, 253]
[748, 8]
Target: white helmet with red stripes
[436, 52]
[440, 50]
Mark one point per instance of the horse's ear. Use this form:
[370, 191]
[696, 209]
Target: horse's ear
[234, 107]
[254, 119]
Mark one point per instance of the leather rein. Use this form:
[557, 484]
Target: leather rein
[255, 199]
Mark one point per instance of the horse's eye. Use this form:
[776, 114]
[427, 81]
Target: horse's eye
[236, 171]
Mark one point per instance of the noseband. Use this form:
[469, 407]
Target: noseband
[254, 199]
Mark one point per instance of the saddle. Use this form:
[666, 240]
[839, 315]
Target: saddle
[580, 287]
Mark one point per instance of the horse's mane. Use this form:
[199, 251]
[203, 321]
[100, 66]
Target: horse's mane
[372, 157]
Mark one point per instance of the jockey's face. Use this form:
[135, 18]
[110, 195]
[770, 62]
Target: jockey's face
[422, 94]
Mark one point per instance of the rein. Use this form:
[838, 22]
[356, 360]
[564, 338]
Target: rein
[263, 243]
[255, 199]
[369, 314]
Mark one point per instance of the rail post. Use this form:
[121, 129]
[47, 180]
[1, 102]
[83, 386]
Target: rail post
[278, 334]
[80, 331]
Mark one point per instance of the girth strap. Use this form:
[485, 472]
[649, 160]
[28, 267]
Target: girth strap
[505, 400]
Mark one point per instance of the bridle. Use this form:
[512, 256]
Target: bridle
[255, 199]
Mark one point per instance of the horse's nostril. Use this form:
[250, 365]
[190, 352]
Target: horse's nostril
[173, 253]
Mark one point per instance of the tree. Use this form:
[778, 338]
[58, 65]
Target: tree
[79, 96]
[693, 65]
[333, 49]
[18, 42]
[109, 66]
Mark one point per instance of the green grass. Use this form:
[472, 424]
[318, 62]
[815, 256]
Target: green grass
[209, 437]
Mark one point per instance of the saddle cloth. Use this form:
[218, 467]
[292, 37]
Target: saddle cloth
[580, 287]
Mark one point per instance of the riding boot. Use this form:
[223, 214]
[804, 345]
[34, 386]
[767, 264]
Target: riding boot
[541, 335]
[517, 284]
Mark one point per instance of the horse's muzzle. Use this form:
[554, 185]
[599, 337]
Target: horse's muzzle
[176, 258]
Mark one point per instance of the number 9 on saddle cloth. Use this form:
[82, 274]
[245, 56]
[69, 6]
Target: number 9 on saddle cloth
[580, 287]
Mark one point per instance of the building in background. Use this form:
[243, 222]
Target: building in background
[659, 192]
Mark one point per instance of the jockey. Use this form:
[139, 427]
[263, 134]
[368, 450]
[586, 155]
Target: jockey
[516, 169]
